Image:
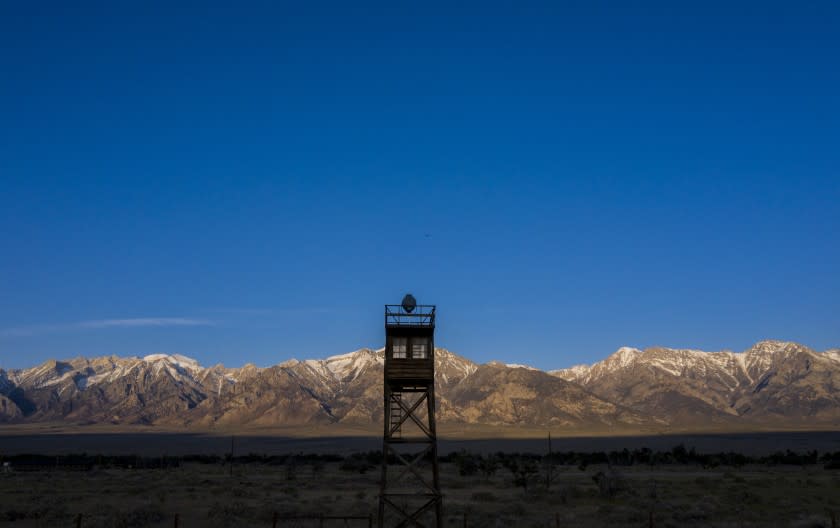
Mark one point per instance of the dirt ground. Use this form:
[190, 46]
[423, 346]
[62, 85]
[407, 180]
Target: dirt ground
[154, 441]
[208, 495]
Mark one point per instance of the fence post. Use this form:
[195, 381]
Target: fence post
[176, 520]
[274, 521]
[370, 520]
[79, 521]
[231, 455]
[465, 519]
[833, 516]
[557, 520]
[321, 523]
[650, 518]
[550, 463]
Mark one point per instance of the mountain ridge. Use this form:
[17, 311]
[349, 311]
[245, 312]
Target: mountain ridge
[773, 383]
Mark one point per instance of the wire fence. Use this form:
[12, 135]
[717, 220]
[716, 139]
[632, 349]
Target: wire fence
[360, 521]
[290, 521]
[321, 521]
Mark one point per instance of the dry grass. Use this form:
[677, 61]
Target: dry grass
[206, 495]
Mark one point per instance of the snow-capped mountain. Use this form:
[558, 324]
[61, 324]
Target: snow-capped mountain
[773, 381]
[175, 389]
[772, 384]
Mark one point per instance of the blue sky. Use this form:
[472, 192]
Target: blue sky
[252, 183]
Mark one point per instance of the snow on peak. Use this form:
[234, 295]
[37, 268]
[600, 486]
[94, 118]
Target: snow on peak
[576, 372]
[761, 355]
[833, 354]
[519, 365]
[627, 350]
[348, 355]
[345, 366]
[175, 359]
[351, 364]
[770, 344]
[624, 356]
[769, 348]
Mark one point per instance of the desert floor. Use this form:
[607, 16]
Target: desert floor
[156, 441]
[209, 495]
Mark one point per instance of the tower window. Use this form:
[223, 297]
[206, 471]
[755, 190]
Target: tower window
[399, 348]
[419, 350]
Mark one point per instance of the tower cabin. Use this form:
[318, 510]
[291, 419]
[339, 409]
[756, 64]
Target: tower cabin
[409, 345]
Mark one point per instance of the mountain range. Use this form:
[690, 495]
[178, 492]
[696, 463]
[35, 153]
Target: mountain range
[772, 385]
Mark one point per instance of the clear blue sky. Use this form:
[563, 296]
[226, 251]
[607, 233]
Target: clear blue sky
[252, 183]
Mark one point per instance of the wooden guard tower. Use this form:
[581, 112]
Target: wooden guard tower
[410, 491]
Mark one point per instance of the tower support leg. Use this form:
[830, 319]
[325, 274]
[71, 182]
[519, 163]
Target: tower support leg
[410, 488]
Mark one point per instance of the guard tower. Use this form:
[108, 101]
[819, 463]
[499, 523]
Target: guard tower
[410, 490]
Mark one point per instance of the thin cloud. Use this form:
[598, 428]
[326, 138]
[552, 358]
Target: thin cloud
[271, 311]
[143, 321]
[138, 322]
[243, 311]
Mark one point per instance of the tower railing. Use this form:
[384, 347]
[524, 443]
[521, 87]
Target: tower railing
[422, 315]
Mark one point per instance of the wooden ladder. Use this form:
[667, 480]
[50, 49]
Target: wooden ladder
[396, 414]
